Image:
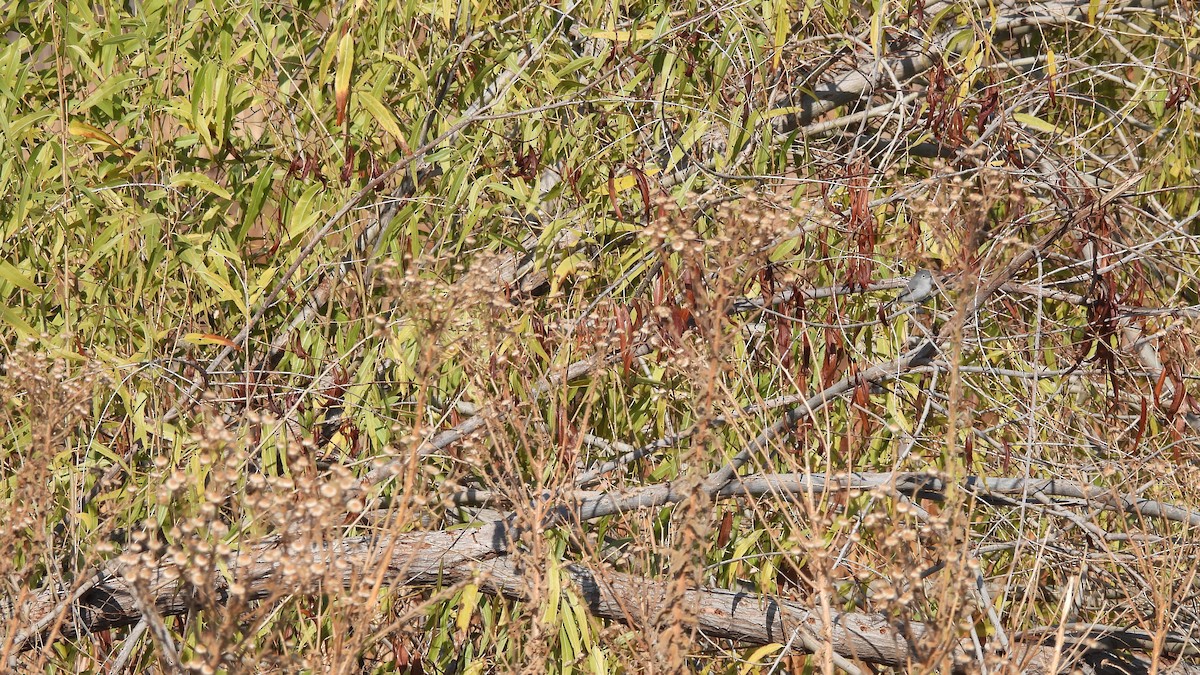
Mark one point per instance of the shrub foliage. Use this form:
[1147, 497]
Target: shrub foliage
[483, 336]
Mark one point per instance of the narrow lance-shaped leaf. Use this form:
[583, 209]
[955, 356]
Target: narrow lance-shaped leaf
[341, 79]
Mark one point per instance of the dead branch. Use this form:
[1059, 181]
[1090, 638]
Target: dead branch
[273, 569]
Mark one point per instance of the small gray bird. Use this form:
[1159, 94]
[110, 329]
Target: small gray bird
[920, 287]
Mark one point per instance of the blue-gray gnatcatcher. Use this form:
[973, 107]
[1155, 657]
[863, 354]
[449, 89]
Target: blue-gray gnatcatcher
[920, 287]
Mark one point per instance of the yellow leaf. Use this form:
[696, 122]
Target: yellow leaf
[597, 662]
[582, 618]
[564, 269]
[739, 551]
[470, 599]
[757, 657]
[341, 79]
[781, 29]
[208, 339]
[625, 183]
[970, 65]
[621, 35]
[199, 180]
[88, 520]
[780, 112]
[85, 130]
[877, 31]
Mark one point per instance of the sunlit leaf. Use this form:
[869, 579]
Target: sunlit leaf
[345, 66]
[208, 339]
[200, 181]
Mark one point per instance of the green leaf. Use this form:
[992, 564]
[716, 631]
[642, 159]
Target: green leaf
[554, 594]
[220, 285]
[383, 117]
[14, 276]
[11, 318]
[574, 66]
[258, 197]
[305, 213]
[689, 138]
[1038, 124]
